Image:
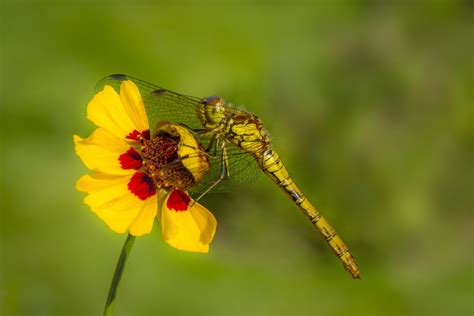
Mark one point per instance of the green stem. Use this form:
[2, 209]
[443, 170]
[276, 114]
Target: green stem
[127, 246]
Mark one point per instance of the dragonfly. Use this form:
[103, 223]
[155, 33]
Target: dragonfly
[238, 144]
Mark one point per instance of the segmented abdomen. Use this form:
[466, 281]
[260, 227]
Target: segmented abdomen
[271, 163]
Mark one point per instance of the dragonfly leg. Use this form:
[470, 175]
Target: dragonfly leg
[223, 175]
[202, 132]
[198, 130]
[212, 145]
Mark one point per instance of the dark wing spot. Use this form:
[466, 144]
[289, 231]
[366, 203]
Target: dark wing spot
[158, 92]
[118, 77]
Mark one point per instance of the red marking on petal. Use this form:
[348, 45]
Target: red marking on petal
[136, 135]
[131, 159]
[146, 134]
[133, 135]
[178, 201]
[142, 185]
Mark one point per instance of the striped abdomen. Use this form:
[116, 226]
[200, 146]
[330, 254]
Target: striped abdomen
[274, 168]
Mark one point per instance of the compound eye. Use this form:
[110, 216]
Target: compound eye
[214, 100]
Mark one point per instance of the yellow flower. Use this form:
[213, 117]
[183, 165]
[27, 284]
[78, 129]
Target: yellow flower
[137, 176]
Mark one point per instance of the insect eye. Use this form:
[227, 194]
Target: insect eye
[214, 100]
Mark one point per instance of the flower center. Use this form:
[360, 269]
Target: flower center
[162, 162]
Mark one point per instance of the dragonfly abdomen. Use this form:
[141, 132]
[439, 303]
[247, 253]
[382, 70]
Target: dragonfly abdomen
[272, 165]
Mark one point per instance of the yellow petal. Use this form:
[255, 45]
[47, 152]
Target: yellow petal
[144, 222]
[133, 104]
[101, 150]
[120, 214]
[103, 188]
[106, 110]
[190, 229]
[111, 200]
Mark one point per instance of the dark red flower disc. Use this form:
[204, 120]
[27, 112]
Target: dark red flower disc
[178, 201]
[142, 185]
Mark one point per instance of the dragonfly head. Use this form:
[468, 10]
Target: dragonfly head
[212, 111]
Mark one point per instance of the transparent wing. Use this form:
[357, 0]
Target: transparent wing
[243, 169]
[160, 103]
[163, 104]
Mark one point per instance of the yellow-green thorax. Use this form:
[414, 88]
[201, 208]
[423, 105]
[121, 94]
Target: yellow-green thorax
[237, 127]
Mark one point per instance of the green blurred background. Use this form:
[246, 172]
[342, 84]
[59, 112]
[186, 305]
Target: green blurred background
[368, 104]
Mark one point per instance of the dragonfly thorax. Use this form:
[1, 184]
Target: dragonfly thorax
[211, 113]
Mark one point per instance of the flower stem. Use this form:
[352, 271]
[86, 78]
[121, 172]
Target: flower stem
[127, 246]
